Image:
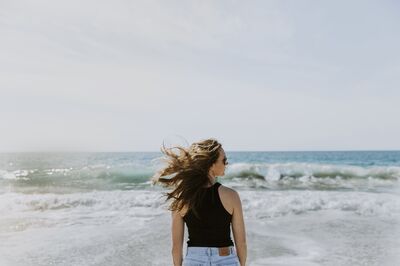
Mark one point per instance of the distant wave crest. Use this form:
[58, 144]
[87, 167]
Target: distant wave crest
[262, 175]
[273, 172]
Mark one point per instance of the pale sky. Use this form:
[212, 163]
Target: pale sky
[125, 75]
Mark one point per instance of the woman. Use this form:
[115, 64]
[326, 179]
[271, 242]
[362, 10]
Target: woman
[207, 208]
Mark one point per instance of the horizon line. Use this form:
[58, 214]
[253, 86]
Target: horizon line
[255, 151]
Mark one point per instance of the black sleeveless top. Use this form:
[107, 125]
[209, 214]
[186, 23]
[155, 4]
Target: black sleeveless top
[213, 227]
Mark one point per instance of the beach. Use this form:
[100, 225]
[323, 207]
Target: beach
[300, 208]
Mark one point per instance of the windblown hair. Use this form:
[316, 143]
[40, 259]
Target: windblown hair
[188, 168]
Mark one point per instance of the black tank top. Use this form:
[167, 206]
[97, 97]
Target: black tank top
[212, 229]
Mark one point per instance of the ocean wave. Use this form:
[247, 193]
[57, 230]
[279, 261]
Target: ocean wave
[251, 175]
[274, 172]
[88, 201]
[99, 177]
[256, 204]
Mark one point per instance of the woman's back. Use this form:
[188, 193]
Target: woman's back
[211, 226]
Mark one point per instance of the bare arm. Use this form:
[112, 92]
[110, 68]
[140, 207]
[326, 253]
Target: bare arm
[238, 228]
[177, 229]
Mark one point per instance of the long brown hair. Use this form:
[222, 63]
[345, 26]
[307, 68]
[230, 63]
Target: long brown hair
[189, 169]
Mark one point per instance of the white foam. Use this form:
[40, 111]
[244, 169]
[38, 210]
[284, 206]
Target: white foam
[16, 174]
[262, 205]
[97, 200]
[7, 175]
[23, 211]
[58, 170]
[103, 216]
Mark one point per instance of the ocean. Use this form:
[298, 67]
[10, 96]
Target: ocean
[300, 208]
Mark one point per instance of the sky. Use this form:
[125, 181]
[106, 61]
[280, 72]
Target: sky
[127, 75]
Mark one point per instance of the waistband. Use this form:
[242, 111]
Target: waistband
[210, 251]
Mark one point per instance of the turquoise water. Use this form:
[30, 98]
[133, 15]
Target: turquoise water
[32, 172]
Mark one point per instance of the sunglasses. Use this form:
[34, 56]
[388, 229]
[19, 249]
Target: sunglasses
[225, 161]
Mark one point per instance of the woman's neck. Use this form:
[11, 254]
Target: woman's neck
[211, 182]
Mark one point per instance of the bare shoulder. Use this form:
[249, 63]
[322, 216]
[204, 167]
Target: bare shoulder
[229, 198]
[230, 192]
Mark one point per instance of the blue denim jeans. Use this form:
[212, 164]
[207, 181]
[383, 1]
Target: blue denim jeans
[206, 256]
